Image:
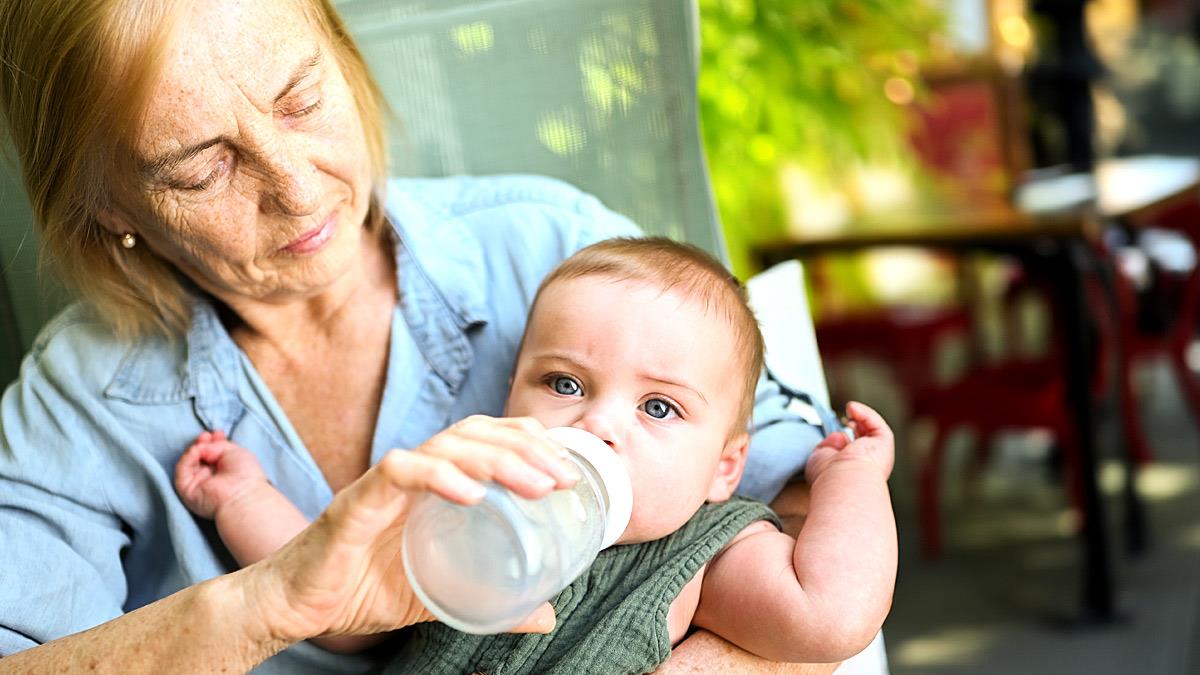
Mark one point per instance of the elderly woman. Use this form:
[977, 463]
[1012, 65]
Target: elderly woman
[210, 178]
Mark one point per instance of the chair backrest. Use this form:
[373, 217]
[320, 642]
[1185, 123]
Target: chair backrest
[781, 306]
[599, 93]
[26, 300]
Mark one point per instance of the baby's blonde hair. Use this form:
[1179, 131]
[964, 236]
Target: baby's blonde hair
[672, 266]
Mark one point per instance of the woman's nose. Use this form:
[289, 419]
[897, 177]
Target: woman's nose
[293, 186]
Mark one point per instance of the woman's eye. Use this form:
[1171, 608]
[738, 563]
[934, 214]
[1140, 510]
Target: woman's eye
[658, 408]
[204, 184]
[566, 386]
[306, 110]
[208, 180]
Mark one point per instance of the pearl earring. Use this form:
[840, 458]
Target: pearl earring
[129, 240]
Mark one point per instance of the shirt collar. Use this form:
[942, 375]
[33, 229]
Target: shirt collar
[442, 283]
[441, 279]
[203, 366]
[214, 368]
[442, 250]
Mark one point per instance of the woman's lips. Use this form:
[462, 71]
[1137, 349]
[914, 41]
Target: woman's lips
[313, 239]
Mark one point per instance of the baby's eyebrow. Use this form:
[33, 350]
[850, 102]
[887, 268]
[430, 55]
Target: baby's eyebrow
[560, 356]
[675, 383]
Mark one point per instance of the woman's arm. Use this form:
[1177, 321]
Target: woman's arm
[339, 576]
[218, 625]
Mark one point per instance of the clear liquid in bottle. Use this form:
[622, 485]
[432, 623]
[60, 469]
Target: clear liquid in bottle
[484, 568]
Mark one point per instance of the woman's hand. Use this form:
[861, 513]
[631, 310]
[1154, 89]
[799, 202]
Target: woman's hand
[344, 575]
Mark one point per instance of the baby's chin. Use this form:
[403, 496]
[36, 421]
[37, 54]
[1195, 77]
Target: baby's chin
[639, 533]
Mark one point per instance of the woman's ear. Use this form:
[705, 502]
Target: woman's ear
[115, 222]
[729, 468]
[118, 212]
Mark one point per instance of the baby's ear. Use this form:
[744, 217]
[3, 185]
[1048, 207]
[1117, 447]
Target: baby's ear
[729, 467]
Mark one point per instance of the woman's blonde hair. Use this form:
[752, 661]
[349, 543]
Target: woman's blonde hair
[74, 78]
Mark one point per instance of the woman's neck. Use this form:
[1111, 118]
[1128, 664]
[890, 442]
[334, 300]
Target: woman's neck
[368, 284]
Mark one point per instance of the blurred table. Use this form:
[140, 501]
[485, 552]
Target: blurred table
[1053, 226]
[1119, 188]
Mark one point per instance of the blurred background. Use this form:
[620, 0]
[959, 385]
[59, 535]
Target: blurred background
[996, 205]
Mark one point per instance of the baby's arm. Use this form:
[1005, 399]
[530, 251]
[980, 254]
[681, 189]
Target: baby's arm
[223, 481]
[823, 596]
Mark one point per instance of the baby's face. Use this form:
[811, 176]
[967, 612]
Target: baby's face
[648, 372]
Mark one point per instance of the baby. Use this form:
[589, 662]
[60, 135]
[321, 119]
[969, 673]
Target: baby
[651, 346]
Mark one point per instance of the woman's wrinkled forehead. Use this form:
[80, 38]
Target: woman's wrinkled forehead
[222, 55]
[247, 44]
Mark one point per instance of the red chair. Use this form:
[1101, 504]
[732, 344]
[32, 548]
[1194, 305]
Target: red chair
[906, 340]
[1025, 392]
[1016, 392]
[1176, 294]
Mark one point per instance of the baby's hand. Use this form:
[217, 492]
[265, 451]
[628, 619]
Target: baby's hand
[214, 471]
[872, 446]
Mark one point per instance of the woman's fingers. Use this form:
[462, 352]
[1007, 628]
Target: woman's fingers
[484, 462]
[541, 621]
[526, 437]
[513, 452]
[407, 471]
[546, 452]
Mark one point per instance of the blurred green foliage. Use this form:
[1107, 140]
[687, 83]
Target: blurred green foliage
[800, 81]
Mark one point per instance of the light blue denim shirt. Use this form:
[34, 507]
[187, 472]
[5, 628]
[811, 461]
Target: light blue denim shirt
[90, 525]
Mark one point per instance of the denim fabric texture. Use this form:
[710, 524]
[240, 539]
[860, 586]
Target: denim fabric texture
[90, 525]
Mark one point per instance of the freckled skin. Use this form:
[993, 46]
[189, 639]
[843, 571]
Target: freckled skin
[288, 159]
[279, 173]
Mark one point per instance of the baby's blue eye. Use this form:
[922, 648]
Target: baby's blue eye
[657, 408]
[565, 386]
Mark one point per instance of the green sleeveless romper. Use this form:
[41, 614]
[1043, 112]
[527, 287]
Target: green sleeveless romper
[612, 619]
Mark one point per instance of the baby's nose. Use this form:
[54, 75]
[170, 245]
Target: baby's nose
[602, 426]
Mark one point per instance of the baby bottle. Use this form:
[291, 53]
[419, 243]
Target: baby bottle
[485, 568]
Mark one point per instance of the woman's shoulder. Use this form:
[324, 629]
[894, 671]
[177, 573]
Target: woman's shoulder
[77, 341]
[493, 238]
[464, 194]
[499, 208]
[78, 352]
